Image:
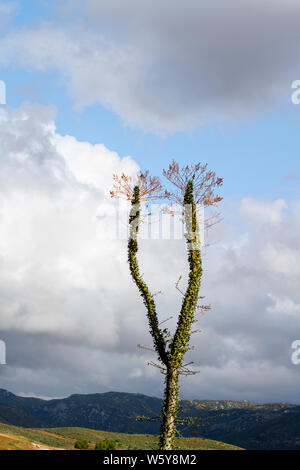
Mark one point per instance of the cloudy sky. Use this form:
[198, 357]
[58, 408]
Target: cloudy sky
[95, 88]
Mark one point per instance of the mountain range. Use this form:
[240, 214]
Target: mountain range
[242, 423]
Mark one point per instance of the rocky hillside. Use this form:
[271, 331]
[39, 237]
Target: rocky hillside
[245, 424]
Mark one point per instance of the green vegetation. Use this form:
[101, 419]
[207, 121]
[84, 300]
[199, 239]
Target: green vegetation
[106, 444]
[65, 438]
[81, 444]
[35, 435]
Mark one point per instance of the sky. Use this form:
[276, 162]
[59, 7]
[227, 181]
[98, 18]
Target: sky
[95, 88]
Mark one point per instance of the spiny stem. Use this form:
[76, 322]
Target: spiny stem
[134, 221]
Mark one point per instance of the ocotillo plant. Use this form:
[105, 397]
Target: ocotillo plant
[194, 186]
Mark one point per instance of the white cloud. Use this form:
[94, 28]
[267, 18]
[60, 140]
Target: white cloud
[6, 12]
[168, 66]
[72, 317]
[263, 211]
[282, 259]
[284, 306]
[56, 271]
[92, 165]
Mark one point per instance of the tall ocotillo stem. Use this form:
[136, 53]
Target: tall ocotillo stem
[194, 185]
[134, 222]
[181, 338]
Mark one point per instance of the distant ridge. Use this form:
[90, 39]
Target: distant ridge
[242, 423]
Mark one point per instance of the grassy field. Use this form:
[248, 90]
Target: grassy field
[17, 438]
